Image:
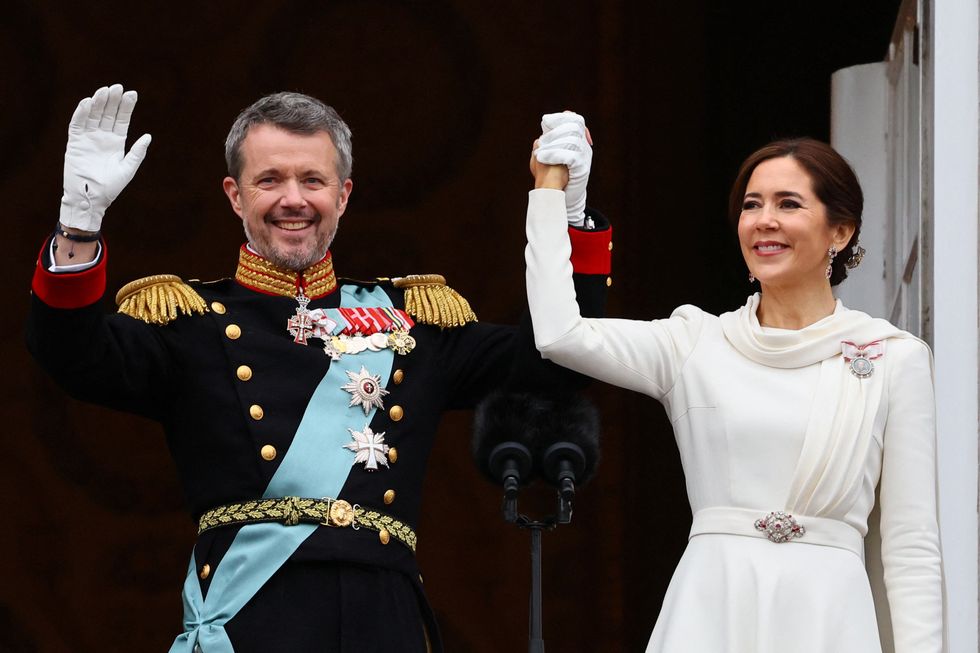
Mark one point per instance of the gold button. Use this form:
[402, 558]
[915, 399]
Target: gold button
[244, 372]
[396, 413]
[218, 308]
[608, 281]
[205, 571]
[268, 452]
[384, 536]
[389, 497]
[610, 245]
[392, 455]
[398, 376]
[256, 411]
[233, 331]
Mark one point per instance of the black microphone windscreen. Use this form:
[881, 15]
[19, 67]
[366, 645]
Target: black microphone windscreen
[503, 417]
[570, 418]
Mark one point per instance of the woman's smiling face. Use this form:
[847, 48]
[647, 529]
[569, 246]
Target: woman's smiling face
[783, 229]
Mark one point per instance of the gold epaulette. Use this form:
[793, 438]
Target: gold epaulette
[159, 299]
[430, 301]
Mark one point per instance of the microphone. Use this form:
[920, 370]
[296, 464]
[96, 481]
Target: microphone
[516, 436]
[567, 446]
[503, 436]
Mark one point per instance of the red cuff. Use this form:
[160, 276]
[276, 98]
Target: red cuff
[591, 251]
[69, 289]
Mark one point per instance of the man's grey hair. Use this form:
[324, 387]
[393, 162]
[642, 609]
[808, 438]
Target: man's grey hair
[294, 112]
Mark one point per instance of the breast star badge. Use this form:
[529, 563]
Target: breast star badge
[369, 448]
[365, 390]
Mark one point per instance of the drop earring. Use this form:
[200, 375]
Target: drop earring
[751, 278]
[832, 253]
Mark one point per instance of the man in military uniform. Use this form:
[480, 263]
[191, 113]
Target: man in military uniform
[300, 408]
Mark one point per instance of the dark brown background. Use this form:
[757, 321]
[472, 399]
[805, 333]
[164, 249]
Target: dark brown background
[444, 98]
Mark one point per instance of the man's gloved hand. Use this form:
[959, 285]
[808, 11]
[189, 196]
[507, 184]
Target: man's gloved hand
[97, 167]
[566, 141]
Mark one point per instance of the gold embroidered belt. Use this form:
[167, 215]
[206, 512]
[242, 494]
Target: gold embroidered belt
[294, 510]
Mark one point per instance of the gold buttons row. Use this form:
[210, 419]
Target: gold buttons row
[396, 413]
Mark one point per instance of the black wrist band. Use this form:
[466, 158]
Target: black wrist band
[76, 238]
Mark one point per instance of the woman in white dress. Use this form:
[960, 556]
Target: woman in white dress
[789, 413]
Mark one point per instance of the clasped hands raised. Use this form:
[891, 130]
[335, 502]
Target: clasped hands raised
[561, 158]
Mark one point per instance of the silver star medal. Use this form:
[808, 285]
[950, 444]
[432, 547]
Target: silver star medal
[365, 390]
[369, 448]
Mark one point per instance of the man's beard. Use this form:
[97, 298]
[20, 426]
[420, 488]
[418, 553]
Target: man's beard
[297, 261]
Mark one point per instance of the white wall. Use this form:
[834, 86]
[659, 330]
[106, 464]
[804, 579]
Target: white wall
[858, 127]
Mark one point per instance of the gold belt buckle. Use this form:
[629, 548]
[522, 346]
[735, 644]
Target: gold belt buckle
[339, 513]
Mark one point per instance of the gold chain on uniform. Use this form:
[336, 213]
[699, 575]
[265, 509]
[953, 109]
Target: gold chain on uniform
[293, 510]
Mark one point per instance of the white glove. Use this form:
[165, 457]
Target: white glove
[97, 167]
[564, 142]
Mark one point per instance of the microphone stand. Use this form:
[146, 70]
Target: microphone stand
[537, 527]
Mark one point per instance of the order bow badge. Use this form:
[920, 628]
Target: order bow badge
[860, 356]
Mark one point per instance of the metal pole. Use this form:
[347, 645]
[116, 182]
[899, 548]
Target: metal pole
[536, 642]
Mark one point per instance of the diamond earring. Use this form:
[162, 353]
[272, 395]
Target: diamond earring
[832, 253]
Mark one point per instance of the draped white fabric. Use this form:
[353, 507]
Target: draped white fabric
[838, 432]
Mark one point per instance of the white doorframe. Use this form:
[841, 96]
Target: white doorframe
[909, 126]
[950, 55]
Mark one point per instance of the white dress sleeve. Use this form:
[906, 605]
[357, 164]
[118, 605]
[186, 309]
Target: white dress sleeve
[645, 356]
[910, 547]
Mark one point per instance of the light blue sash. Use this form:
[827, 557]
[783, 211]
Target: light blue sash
[316, 465]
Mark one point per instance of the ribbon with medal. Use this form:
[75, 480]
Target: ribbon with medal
[860, 356]
[352, 330]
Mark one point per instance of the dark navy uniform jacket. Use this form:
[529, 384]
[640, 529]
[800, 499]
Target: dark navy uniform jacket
[230, 387]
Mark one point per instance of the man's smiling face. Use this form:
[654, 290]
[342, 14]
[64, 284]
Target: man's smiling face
[288, 195]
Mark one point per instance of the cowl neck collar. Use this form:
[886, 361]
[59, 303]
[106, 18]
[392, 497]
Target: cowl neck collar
[789, 348]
